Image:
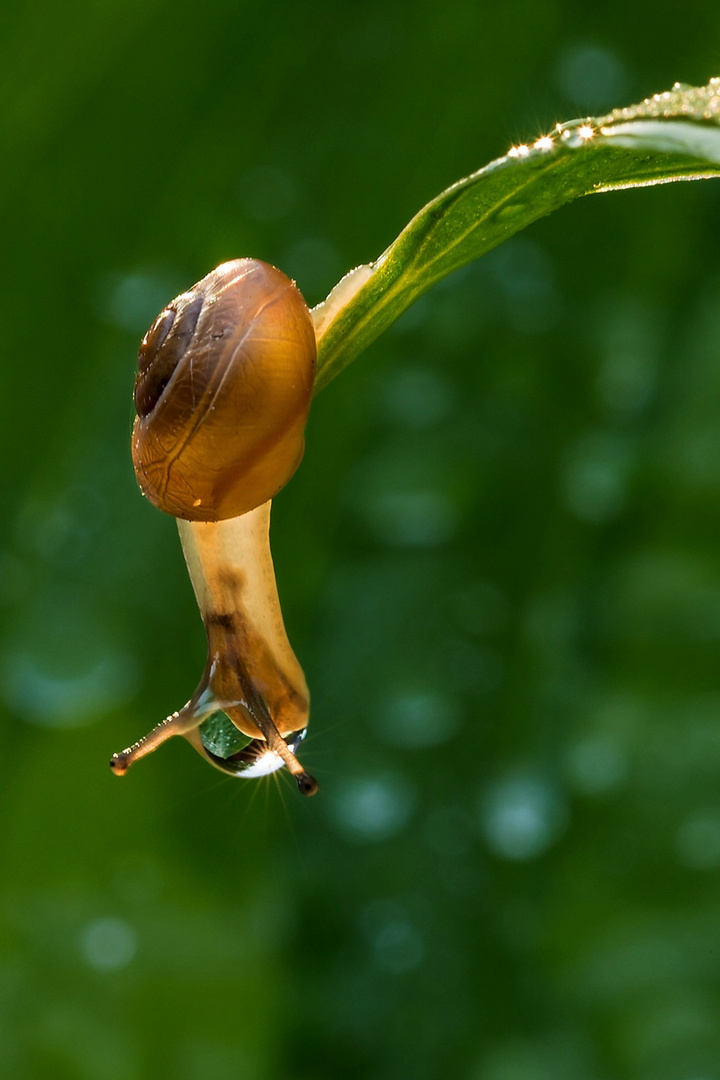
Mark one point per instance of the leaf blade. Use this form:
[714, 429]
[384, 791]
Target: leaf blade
[671, 136]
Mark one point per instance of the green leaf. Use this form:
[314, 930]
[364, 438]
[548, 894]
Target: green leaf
[670, 136]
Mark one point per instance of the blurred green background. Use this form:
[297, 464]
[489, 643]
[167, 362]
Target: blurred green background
[499, 563]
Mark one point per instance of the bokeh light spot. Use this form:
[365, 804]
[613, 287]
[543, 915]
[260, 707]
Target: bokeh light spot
[522, 816]
[595, 477]
[418, 398]
[697, 841]
[70, 698]
[525, 275]
[595, 765]
[398, 948]
[591, 75]
[131, 301]
[108, 944]
[396, 943]
[373, 808]
[417, 720]
[413, 518]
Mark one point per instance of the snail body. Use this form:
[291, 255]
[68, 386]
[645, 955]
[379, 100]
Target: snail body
[225, 377]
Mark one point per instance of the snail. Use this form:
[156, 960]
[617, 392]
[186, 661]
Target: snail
[225, 379]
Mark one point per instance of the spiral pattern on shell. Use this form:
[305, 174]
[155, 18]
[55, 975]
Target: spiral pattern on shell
[225, 378]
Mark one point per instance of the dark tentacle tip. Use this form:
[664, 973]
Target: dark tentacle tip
[119, 764]
[307, 784]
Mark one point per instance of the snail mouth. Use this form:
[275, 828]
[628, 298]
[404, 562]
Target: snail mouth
[253, 760]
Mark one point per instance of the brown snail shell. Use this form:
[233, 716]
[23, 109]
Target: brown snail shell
[225, 378]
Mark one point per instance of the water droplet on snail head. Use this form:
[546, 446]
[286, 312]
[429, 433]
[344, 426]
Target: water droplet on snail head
[257, 759]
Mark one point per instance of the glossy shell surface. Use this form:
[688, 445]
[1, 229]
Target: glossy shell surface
[225, 378]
